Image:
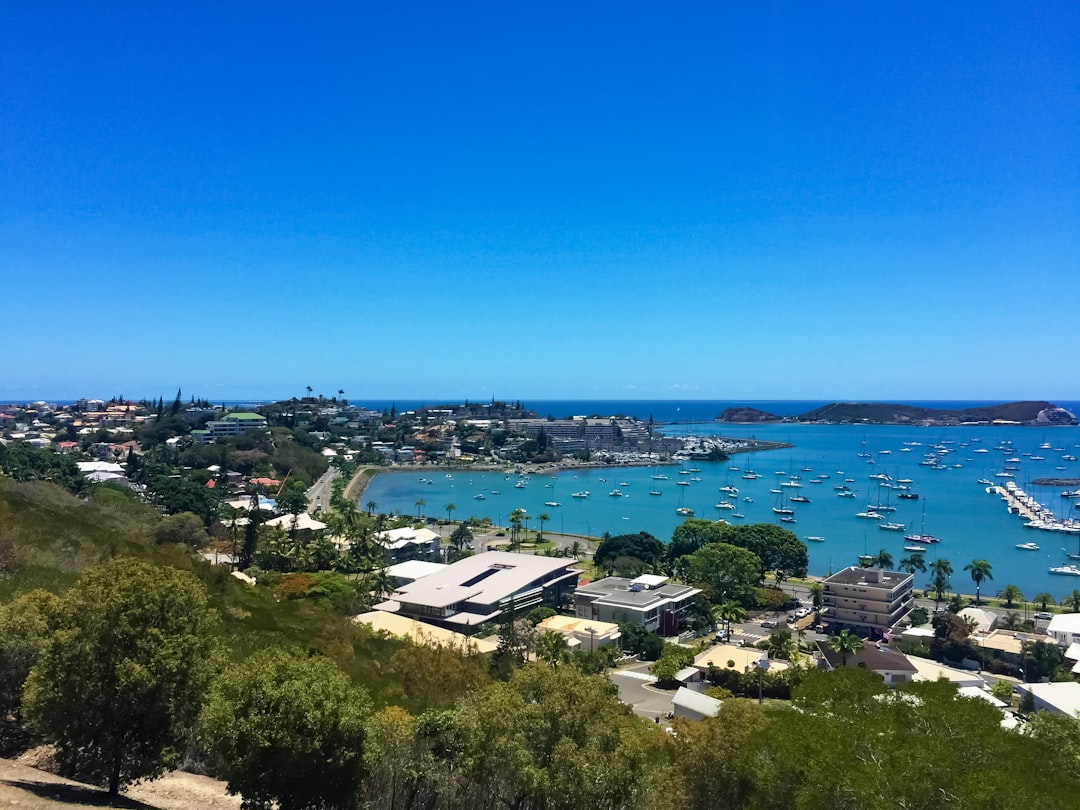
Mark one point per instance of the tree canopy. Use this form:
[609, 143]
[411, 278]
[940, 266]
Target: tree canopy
[642, 546]
[117, 686]
[289, 730]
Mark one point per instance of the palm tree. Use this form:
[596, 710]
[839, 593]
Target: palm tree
[817, 592]
[309, 390]
[517, 517]
[576, 549]
[980, 570]
[449, 508]
[542, 517]
[780, 644]
[728, 613]
[1012, 621]
[846, 643]
[913, 563]
[1072, 600]
[553, 648]
[419, 506]
[1043, 599]
[883, 560]
[1010, 593]
[371, 507]
[942, 570]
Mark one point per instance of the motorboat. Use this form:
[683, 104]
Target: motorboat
[685, 511]
[552, 503]
[869, 515]
[892, 527]
[1066, 570]
[813, 538]
[1028, 546]
[915, 549]
[582, 494]
[479, 496]
[615, 493]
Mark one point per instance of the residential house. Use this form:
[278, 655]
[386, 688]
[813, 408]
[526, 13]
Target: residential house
[891, 665]
[582, 634]
[693, 705]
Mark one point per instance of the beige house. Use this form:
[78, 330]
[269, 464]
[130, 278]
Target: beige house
[582, 634]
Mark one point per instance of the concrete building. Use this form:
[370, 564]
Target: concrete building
[477, 589]
[868, 601]
[1062, 698]
[233, 424]
[649, 600]
[582, 634]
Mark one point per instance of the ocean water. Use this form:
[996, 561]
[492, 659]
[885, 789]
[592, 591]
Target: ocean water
[955, 507]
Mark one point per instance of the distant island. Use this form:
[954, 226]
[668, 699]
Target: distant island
[873, 413]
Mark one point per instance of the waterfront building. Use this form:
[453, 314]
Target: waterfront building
[868, 601]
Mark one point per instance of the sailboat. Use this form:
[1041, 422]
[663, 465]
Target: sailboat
[922, 536]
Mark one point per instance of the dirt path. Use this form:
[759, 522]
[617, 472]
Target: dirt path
[30, 789]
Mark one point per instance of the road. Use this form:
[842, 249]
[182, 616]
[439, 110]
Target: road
[319, 494]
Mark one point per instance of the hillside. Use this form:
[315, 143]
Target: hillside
[49, 536]
[1026, 413]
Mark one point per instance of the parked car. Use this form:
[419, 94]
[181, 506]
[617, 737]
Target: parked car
[1042, 614]
[768, 624]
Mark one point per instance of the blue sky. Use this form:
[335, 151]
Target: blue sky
[601, 200]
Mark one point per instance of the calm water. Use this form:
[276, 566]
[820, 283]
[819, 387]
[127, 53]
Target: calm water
[971, 523]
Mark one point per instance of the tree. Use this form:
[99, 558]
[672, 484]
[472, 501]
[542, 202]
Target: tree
[724, 571]
[817, 594]
[543, 517]
[371, 507]
[642, 546]
[552, 738]
[420, 505]
[553, 648]
[517, 517]
[25, 626]
[449, 509]
[576, 550]
[847, 643]
[941, 570]
[118, 686]
[461, 537]
[1072, 600]
[781, 645]
[883, 559]
[290, 730]
[1043, 600]
[913, 563]
[729, 613]
[1010, 593]
[980, 570]
[183, 528]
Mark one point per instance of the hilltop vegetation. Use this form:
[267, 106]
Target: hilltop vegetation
[877, 413]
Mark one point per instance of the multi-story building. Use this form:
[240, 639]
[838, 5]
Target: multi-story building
[867, 601]
[649, 600]
[233, 424]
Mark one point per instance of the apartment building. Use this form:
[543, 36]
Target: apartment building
[868, 601]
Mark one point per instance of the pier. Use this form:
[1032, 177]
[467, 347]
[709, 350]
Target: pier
[1037, 515]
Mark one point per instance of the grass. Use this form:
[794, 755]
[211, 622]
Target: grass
[54, 536]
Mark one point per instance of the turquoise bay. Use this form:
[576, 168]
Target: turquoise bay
[971, 523]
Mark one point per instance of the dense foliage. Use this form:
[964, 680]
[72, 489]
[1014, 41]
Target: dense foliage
[117, 685]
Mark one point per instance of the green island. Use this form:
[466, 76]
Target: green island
[184, 586]
[870, 413]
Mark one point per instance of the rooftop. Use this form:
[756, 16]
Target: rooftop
[871, 656]
[486, 579]
[696, 702]
[871, 577]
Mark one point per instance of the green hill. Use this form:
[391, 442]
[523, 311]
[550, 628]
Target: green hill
[49, 536]
[889, 414]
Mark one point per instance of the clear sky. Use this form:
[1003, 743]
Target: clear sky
[540, 200]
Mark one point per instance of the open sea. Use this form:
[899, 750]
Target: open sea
[952, 504]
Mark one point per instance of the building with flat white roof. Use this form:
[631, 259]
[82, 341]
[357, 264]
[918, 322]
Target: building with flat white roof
[412, 570]
[649, 600]
[408, 543]
[477, 589]
[867, 600]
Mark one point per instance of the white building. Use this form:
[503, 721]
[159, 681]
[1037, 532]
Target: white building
[1061, 698]
[694, 705]
[649, 600]
[1065, 628]
[477, 589]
